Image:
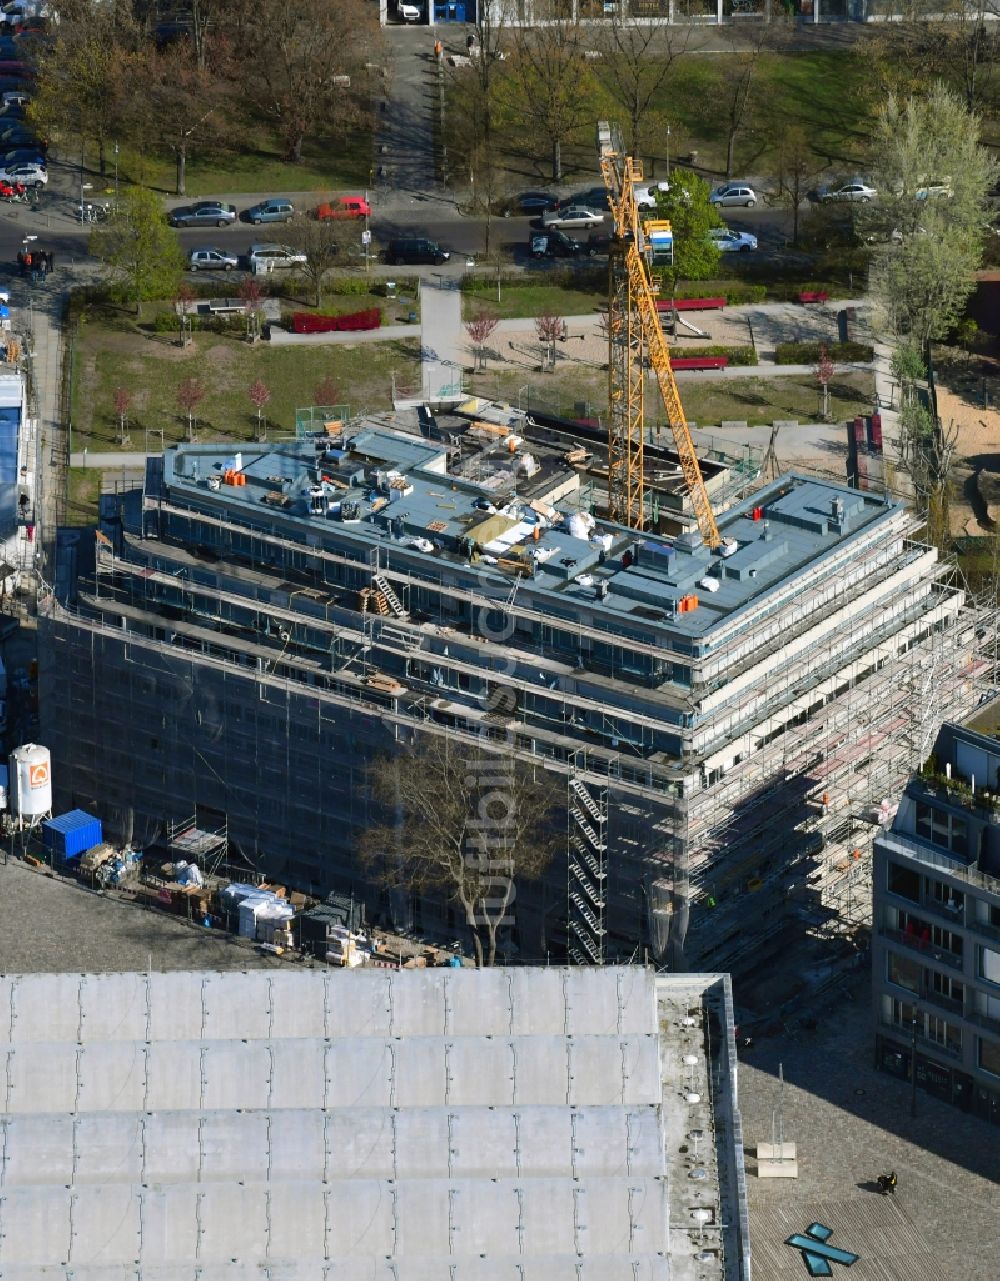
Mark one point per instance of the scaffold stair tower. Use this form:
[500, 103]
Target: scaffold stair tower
[587, 849]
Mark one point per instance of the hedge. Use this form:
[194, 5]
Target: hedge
[735, 355]
[168, 322]
[808, 353]
[736, 292]
[304, 322]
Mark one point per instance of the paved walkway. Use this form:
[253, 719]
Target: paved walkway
[443, 354]
[851, 1124]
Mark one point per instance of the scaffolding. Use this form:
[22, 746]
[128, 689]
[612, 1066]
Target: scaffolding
[263, 688]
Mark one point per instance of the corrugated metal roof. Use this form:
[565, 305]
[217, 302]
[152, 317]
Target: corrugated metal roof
[408, 1125]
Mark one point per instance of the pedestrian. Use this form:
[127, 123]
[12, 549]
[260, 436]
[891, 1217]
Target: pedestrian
[20, 261]
[438, 50]
[51, 261]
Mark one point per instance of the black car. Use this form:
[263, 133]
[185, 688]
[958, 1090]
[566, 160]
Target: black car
[536, 202]
[554, 243]
[412, 251]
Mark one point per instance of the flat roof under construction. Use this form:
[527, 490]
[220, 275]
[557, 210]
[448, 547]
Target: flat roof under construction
[413, 499]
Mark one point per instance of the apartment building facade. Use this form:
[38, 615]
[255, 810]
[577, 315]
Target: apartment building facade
[262, 630]
[936, 926]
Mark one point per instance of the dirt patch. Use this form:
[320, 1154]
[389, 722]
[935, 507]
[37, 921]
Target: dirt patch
[968, 392]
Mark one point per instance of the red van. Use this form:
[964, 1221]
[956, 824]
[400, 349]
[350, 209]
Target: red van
[344, 207]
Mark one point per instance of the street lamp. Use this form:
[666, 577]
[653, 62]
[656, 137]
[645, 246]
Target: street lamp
[913, 1068]
[84, 186]
[116, 173]
[668, 151]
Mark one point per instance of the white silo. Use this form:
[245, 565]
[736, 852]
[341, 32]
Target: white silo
[30, 782]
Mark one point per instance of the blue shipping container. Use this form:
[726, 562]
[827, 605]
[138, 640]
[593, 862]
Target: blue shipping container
[70, 835]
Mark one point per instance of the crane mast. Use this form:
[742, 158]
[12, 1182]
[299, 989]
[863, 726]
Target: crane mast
[635, 334]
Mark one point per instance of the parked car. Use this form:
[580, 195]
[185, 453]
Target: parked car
[18, 134]
[24, 156]
[934, 190]
[409, 12]
[732, 194]
[270, 211]
[29, 175]
[16, 98]
[591, 198]
[646, 193]
[271, 257]
[536, 202]
[412, 251]
[206, 213]
[598, 243]
[209, 259]
[572, 216]
[730, 241]
[856, 190]
[343, 207]
[553, 243]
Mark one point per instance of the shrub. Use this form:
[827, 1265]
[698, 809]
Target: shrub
[807, 353]
[735, 355]
[735, 292]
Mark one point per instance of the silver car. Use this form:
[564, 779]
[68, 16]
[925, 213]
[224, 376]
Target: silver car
[212, 260]
[572, 216]
[856, 190]
[271, 257]
[732, 194]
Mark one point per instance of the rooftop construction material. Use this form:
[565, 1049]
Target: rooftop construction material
[724, 721]
[487, 1125]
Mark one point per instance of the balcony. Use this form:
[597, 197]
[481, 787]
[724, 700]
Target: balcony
[949, 1003]
[983, 1021]
[985, 929]
[924, 948]
[942, 912]
[905, 1031]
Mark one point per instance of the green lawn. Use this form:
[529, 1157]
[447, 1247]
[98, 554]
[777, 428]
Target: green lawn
[84, 493]
[531, 299]
[709, 401]
[821, 89]
[759, 401]
[111, 351]
[254, 162]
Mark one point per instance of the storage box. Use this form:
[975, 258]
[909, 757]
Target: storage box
[70, 835]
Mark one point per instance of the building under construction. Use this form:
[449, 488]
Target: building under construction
[726, 722]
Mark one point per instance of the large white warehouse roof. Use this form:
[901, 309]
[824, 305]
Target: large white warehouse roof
[414, 1126]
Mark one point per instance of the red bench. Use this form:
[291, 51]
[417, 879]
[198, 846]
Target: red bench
[699, 362]
[691, 304]
[814, 295]
[875, 432]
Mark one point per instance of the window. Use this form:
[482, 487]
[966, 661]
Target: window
[903, 1013]
[989, 1056]
[903, 881]
[921, 933]
[903, 972]
[943, 1033]
[945, 985]
[989, 965]
[942, 828]
[943, 893]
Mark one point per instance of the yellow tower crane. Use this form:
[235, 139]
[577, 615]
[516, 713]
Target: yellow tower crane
[634, 330]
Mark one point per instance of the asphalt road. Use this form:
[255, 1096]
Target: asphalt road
[57, 229]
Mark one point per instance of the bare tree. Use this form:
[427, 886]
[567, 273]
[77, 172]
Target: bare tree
[304, 63]
[184, 306]
[797, 167]
[326, 243]
[122, 402]
[824, 372]
[737, 90]
[637, 60]
[465, 821]
[260, 394]
[251, 295]
[480, 329]
[190, 394]
[326, 391]
[548, 75]
[183, 104]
